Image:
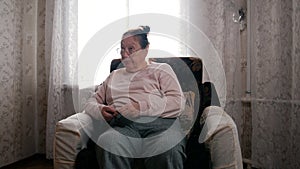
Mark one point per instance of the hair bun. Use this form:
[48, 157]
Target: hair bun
[145, 29]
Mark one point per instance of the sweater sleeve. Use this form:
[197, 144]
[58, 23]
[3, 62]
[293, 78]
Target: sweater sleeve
[97, 101]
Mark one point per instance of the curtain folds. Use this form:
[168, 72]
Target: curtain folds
[62, 51]
[214, 19]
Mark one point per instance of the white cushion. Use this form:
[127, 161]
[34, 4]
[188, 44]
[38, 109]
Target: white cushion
[70, 138]
[220, 134]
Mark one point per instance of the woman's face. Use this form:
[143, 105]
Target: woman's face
[133, 56]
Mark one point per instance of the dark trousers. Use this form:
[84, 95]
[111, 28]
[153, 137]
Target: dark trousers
[159, 142]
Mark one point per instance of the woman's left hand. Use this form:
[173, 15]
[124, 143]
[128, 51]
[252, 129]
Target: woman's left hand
[130, 110]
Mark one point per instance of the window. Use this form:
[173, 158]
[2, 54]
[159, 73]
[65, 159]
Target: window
[96, 14]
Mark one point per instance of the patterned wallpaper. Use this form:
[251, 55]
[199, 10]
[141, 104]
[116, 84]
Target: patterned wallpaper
[42, 78]
[275, 82]
[268, 123]
[22, 80]
[11, 83]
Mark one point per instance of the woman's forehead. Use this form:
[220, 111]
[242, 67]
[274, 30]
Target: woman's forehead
[131, 40]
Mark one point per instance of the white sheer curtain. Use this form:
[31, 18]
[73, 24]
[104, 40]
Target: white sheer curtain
[95, 15]
[61, 50]
[215, 19]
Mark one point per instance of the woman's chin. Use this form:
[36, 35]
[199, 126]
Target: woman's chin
[128, 65]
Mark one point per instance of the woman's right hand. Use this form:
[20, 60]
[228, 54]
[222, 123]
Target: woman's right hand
[108, 112]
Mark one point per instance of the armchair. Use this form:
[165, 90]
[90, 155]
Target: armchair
[73, 133]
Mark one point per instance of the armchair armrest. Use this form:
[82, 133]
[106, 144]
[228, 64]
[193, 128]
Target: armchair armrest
[220, 135]
[70, 138]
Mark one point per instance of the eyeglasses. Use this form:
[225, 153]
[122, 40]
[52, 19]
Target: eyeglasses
[129, 51]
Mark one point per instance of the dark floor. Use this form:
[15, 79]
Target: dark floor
[37, 161]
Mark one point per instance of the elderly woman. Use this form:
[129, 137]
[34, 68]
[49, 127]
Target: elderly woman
[141, 103]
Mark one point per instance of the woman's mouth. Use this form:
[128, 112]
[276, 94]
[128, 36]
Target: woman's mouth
[126, 61]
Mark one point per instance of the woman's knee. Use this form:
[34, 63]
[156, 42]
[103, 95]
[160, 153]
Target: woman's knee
[116, 143]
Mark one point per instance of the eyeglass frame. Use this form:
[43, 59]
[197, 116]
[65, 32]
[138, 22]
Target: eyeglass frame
[129, 52]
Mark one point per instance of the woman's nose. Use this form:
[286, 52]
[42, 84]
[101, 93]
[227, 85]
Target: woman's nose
[125, 55]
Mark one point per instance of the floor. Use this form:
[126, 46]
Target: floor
[39, 161]
[34, 162]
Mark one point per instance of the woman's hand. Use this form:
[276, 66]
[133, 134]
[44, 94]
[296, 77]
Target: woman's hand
[130, 110]
[108, 112]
